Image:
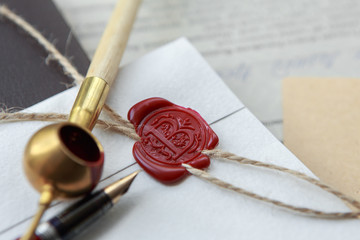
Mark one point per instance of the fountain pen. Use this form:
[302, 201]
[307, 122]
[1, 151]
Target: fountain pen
[79, 216]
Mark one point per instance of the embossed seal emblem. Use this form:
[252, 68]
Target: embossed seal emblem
[170, 135]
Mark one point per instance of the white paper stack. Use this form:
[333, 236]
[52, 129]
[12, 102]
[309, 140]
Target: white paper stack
[192, 209]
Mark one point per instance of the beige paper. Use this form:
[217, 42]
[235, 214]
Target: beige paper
[322, 128]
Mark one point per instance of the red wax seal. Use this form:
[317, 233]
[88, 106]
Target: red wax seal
[170, 135]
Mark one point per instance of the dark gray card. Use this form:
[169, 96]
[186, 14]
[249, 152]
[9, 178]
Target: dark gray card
[25, 79]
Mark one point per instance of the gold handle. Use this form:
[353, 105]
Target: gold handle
[47, 195]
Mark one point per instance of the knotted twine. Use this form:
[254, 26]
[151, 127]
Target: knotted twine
[124, 127]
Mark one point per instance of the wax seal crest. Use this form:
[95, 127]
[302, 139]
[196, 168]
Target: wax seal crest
[170, 135]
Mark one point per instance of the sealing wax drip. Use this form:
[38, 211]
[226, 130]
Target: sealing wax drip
[170, 136]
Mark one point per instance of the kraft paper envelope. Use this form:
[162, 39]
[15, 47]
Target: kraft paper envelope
[322, 128]
[192, 209]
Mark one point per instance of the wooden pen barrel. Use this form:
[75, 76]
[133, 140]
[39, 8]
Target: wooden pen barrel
[107, 57]
[104, 65]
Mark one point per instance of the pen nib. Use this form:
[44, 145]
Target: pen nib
[120, 187]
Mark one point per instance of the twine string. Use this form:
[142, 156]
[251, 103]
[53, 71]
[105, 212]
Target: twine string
[115, 126]
[302, 210]
[216, 153]
[124, 127]
[54, 54]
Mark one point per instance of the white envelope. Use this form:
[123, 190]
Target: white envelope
[192, 209]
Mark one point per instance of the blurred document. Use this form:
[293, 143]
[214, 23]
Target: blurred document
[252, 45]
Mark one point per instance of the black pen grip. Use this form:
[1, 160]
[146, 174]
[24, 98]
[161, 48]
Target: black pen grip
[79, 216]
